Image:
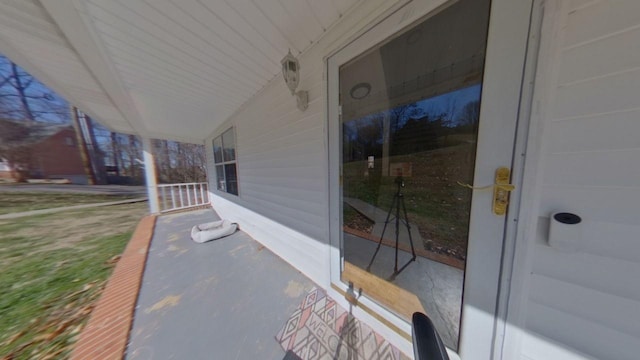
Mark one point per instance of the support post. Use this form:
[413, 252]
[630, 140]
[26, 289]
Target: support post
[150, 175]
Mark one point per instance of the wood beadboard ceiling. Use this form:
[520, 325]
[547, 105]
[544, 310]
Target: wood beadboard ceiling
[161, 68]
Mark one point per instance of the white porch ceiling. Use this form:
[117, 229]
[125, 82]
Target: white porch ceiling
[170, 69]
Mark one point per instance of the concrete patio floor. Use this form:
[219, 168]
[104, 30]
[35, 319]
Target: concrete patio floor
[438, 286]
[225, 299]
[232, 298]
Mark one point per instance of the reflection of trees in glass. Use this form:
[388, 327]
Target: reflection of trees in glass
[470, 114]
[437, 137]
[414, 127]
[362, 138]
[443, 121]
[416, 135]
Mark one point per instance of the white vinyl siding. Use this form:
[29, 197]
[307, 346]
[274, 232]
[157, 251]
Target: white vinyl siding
[281, 151]
[586, 303]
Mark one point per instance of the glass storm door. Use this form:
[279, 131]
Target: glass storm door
[420, 108]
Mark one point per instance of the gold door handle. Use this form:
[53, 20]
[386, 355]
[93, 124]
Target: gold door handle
[501, 189]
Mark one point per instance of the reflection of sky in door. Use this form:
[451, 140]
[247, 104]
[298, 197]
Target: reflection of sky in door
[434, 107]
[456, 99]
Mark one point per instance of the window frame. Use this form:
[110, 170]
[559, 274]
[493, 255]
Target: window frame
[224, 162]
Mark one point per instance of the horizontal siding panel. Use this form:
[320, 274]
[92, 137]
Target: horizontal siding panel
[594, 168]
[306, 201]
[617, 205]
[264, 130]
[289, 183]
[605, 239]
[280, 152]
[603, 274]
[596, 132]
[299, 131]
[285, 119]
[612, 93]
[279, 106]
[601, 19]
[307, 224]
[301, 173]
[294, 153]
[617, 241]
[585, 304]
[607, 310]
[279, 157]
[539, 347]
[576, 332]
[300, 168]
[606, 56]
[295, 166]
[308, 255]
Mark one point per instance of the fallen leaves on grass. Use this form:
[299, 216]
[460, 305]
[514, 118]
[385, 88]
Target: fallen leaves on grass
[56, 331]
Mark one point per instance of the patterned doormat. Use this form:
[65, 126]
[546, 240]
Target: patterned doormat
[321, 329]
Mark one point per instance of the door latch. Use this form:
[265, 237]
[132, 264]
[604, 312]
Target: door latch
[501, 190]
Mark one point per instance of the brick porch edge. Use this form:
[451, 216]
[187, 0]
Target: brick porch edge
[106, 334]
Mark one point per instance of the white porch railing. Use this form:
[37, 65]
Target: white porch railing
[182, 196]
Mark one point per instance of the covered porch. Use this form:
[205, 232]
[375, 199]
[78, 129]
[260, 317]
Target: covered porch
[232, 298]
[550, 129]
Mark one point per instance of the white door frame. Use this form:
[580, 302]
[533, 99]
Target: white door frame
[501, 92]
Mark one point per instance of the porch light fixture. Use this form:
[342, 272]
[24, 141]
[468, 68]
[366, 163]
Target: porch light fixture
[291, 74]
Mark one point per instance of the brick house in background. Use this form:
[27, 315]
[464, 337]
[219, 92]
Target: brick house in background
[52, 151]
[5, 170]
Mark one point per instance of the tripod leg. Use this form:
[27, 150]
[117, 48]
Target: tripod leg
[384, 228]
[406, 219]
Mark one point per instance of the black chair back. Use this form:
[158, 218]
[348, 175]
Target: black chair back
[427, 344]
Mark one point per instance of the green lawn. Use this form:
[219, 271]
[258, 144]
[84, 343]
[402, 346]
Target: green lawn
[434, 200]
[54, 268]
[11, 202]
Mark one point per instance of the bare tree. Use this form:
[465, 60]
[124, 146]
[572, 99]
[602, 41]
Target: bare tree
[470, 113]
[13, 148]
[25, 100]
[23, 97]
